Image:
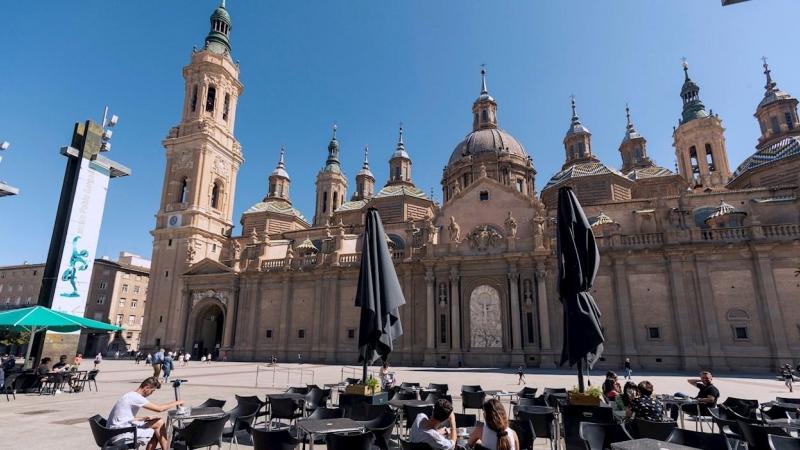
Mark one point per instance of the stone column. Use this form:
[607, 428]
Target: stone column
[286, 317]
[517, 355]
[623, 307]
[683, 320]
[455, 316]
[186, 309]
[772, 308]
[407, 313]
[544, 317]
[430, 313]
[230, 312]
[709, 317]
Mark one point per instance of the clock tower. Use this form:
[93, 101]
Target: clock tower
[194, 220]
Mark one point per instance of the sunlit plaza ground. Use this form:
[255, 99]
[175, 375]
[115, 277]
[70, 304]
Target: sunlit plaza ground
[60, 421]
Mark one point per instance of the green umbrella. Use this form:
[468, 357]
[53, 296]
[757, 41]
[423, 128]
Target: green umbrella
[37, 318]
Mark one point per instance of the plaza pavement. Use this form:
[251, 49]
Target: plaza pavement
[60, 421]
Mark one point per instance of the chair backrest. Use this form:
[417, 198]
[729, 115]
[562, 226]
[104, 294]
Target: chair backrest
[214, 403]
[380, 423]
[311, 387]
[204, 432]
[699, 440]
[9, 381]
[796, 401]
[246, 399]
[314, 398]
[411, 413]
[542, 421]
[406, 445]
[527, 392]
[273, 439]
[352, 380]
[341, 441]
[405, 395]
[600, 436]
[102, 434]
[743, 407]
[327, 413]
[783, 443]
[430, 397]
[757, 436]
[283, 408]
[481, 447]
[573, 415]
[442, 388]
[373, 411]
[527, 401]
[243, 413]
[525, 432]
[92, 375]
[409, 385]
[297, 390]
[473, 399]
[471, 388]
[778, 411]
[465, 420]
[654, 430]
[548, 391]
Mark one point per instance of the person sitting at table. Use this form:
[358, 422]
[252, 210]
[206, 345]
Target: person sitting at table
[625, 398]
[9, 362]
[706, 398]
[150, 429]
[494, 433]
[611, 386]
[66, 371]
[428, 430]
[645, 406]
[386, 377]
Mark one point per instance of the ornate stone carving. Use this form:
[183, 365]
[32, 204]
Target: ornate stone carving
[220, 167]
[254, 237]
[486, 329]
[511, 226]
[184, 160]
[527, 293]
[483, 170]
[222, 296]
[173, 133]
[483, 237]
[443, 295]
[190, 252]
[456, 189]
[454, 229]
[537, 222]
[431, 229]
[237, 249]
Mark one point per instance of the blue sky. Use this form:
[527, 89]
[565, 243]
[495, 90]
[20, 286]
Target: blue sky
[367, 66]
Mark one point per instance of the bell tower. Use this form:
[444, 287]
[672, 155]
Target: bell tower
[331, 185]
[194, 219]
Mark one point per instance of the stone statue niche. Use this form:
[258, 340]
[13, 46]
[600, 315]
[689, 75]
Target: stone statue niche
[511, 226]
[455, 230]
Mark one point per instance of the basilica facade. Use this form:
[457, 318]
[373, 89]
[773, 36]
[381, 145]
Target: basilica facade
[697, 266]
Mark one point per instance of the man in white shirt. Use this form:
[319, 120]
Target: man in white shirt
[429, 431]
[149, 428]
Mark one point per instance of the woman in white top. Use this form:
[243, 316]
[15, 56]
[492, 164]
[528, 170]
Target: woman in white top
[494, 433]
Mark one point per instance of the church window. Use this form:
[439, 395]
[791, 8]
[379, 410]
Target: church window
[361, 188]
[351, 333]
[443, 329]
[466, 180]
[194, 98]
[335, 199]
[211, 98]
[571, 152]
[269, 333]
[710, 158]
[763, 127]
[776, 127]
[789, 121]
[280, 190]
[580, 149]
[324, 202]
[225, 106]
[301, 333]
[272, 189]
[483, 196]
[693, 161]
[529, 326]
[638, 152]
[484, 116]
[741, 332]
[476, 117]
[519, 184]
[182, 196]
[405, 173]
[397, 172]
[215, 196]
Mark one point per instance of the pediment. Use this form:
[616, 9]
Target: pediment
[472, 191]
[208, 267]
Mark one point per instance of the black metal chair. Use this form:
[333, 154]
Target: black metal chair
[352, 380]
[402, 394]
[214, 403]
[543, 420]
[429, 396]
[472, 400]
[743, 407]
[284, 408]
[659, 431]
[553, 395]
[783, 443]
[263, 410]
[411, 413]
[726, 426]
[757, 436]
[107, 438]
[381, 428]
[465, 420]
[697, 439]
[573, 415]
[373, 411]
[343, 441]
[525, 393]
[442, 388]
[795, 401]
[525, 432]
[600, 436]
[406, 445]
[297, 390]
[777, 411]
[525, 401]
[471, 388]
[9, 385]
[316, 398]
[89, 379]
[408, 385]
[699, 412]
[241, 418]
[201, 433]
[273, 439]
[52, 383]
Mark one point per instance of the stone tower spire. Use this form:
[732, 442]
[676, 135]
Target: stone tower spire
[279, 182]
[400, 164]
[633, 148]
[365, 181]
[578, 141]
[218, 39]
[699, 141]
[331, 185]
[484, 109]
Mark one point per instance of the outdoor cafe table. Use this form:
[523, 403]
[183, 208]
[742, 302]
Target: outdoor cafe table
[191, 414]
[649, 444]
[325, 426]
[334, 387]
[291, 395]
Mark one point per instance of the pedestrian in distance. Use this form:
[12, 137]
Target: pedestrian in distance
[628, 370]
[521, 376]
[97, 360]
[299, 358]
[786, 371]
[460, 361]
[208, 359]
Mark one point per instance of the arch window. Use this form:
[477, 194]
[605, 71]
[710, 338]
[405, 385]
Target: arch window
[476, 117]
[335, 199]
[581, 149]
[484, 116]
[324, 202]
[710, 158]
[183, 190]
[789, 121]
[215, 196]
[272, 189]
[361, 188]
[211, 98]
[638, 152]
[226, 106]
[693, 161]
[194, 98]
[571, 151]
[740, 324]
[776, 127]
[397, 172]
[763, 126]
[280, 189]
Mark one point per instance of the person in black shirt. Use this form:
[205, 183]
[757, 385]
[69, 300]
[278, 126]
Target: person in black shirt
[706, 398]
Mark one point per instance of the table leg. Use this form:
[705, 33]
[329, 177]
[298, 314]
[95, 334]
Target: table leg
[558, 433]
[310, 441]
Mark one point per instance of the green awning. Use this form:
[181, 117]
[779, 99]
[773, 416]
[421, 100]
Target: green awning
[38, 318]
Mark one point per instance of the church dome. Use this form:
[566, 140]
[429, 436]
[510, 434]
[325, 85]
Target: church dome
[773, 96]
[487, 140]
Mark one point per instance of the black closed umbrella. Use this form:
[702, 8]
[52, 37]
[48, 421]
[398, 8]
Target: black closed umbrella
[578, 261]
[379, 295]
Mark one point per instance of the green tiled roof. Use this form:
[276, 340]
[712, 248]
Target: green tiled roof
[581, 170]
[395, 190]
[278, 206]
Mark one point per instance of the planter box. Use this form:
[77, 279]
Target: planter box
[380, 398]
[583, 399]
[360, 389]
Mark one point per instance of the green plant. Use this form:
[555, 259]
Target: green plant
[371, 383]
[592, 391]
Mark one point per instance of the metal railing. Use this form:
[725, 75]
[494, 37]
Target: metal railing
[355, 372]
[293, 376]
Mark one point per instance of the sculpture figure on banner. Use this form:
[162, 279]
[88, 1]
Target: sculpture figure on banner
[77, 262]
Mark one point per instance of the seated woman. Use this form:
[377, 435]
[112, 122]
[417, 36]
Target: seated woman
[494, 433]
[386, 377]
[611, 386]
[624, 399]
[646, 406]
[43, 370]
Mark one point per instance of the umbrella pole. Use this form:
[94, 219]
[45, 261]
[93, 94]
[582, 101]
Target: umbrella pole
[364, 376]
[28, 348]
[581, 388]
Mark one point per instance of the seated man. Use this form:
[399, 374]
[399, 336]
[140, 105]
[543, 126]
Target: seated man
[428, 431]
[66, 371]
[706, 398]
[9, 362]
[150, 429]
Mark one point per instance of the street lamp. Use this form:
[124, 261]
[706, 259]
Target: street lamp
[5, 189]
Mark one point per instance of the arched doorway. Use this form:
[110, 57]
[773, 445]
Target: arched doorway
[209, 321]
[485, 318]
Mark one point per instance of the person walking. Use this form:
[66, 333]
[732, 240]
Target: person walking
[786, 371]
[158, 360]
[628, 370]
[521, 376]
[97, 360]
[460, 361]
[167, 366]
[208, 359]
[299, 358]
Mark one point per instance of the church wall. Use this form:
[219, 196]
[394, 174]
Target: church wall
[787, 286]
[603, 293]
[651, 308]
